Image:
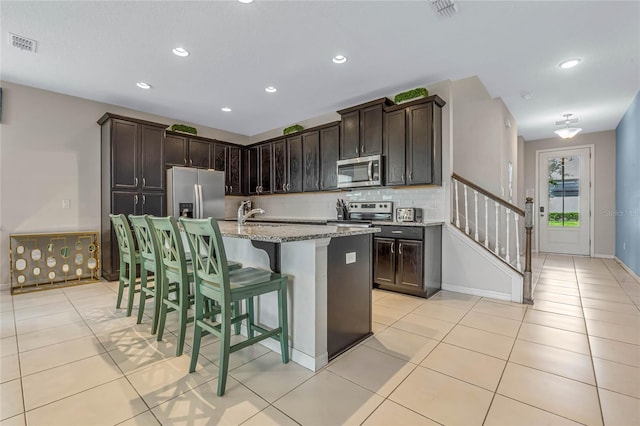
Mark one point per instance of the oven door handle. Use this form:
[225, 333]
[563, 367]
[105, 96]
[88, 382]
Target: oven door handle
[370, 171]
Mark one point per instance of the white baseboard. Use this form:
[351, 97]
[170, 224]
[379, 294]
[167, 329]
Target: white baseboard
[476, 292]
[603, 256]
[626, 268]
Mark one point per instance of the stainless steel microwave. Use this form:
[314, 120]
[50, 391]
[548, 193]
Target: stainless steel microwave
[361, 171]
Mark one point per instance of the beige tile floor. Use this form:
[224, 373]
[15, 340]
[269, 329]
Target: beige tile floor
[69, 357]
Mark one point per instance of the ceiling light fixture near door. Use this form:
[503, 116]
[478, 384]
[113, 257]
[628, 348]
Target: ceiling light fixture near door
[567, 132]
[569, 63]
[226, 109]
[270, 89]
[180, 51]
[143, 85]
[339, 59]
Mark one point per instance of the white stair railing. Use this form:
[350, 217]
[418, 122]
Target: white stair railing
[500, 235]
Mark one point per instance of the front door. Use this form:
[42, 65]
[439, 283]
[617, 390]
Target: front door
[563, 201]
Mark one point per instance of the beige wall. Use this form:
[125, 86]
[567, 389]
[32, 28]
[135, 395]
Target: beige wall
[50, 151]
[604, 181]
[484, 137]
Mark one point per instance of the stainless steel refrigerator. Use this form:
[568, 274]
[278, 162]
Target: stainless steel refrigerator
[195, 193]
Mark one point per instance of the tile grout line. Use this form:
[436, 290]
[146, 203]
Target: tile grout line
[595, 377]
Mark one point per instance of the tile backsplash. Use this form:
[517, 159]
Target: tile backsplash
[322, 205]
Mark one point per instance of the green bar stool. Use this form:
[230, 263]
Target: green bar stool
[129, 259]
[216, 282]
[176, 276]
[150, 263]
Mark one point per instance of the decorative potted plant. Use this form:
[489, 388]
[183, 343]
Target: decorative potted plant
[410, 95]
[292, 129]
[184, 129]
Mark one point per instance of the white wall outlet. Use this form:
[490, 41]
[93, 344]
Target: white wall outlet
[350, 257]
[66, 204]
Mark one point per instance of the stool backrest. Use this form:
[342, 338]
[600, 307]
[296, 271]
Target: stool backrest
[147, 242]
[208, 254]
[171, 249]
[125, 238]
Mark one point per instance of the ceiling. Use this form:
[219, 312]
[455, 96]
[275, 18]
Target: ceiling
[99, 50]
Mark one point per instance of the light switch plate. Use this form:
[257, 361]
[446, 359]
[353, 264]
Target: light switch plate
[66, 204]
[350, 257]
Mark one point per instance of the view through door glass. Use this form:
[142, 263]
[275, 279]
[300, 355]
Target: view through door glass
[564, 191]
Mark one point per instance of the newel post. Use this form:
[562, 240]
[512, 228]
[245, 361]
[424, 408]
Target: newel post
[527, 297]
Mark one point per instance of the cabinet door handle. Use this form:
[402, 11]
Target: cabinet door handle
[144, 200]
[284, 187]
[184, 161]
[410, 175]
[356, 151]
[135, 181]
[362, 149]
[144, 182]
[288, 186]
[230, 188]
[392, 249]
[191, 162]
[135, 199]
[396, 232]
[399, 248]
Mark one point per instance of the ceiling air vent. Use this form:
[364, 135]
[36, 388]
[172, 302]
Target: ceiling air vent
[444, 7]
[22, 43]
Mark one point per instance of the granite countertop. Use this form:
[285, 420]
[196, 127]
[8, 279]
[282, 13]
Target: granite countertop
[323, 221]
[286, 233]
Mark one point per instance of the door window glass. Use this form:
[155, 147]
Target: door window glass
[564, 191]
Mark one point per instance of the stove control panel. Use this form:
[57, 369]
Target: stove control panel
[373, 207]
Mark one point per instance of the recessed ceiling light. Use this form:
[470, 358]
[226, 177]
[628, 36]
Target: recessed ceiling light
[143, 85]
[246, 1]
[226, 109]
[339, 59]
[569, 63]
[271, 89]
[180, 51]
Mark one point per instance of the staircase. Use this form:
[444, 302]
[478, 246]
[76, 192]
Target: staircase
[497, 230]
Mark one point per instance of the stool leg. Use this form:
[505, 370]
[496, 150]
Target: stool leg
[251, 319]
[121, 278]
[161, 319]
[284, 321]
[132, 288]
[225, 343]
[143, 294]
[183, 305]
[197, 331]
[157, 295]
[236, 312]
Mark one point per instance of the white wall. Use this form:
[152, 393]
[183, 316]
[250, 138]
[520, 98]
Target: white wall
[50, 151]
[604, 181]
[484, 137]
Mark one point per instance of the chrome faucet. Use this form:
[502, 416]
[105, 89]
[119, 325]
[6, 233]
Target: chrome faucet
[243, 214]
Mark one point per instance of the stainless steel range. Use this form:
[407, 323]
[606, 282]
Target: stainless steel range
[362, 213]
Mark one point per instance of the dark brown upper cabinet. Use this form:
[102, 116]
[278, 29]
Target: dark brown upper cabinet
[311, 158]
[413, 142]
[362, 129]
[259, 163]
[329, 154]
[228, 158]
[185, 151]
[280, 166]
[394, 147]
[295, 164]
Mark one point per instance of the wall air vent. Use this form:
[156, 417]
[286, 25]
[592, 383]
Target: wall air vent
[22, 43]
[444, 7]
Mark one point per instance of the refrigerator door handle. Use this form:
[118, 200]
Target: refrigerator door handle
[201, 203]
[196, 210]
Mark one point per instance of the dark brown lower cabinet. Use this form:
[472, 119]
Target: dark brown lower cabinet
[408, 259]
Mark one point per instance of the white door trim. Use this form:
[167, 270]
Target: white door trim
[592, 179]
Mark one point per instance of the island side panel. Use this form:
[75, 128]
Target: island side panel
[305, 263]
[349, 284]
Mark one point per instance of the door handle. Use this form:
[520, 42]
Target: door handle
[144, 200]
[135, 198]
[144, 182]
[392, 249]
[284, 187]
[191, 162]
[399, 248]
[356, 151]
[288, 186]
[362, 149]
[135, 181]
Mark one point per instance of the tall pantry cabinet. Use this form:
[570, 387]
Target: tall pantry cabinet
[132, 177]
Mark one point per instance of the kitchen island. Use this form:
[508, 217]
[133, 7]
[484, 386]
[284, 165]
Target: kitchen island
[329, 270]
